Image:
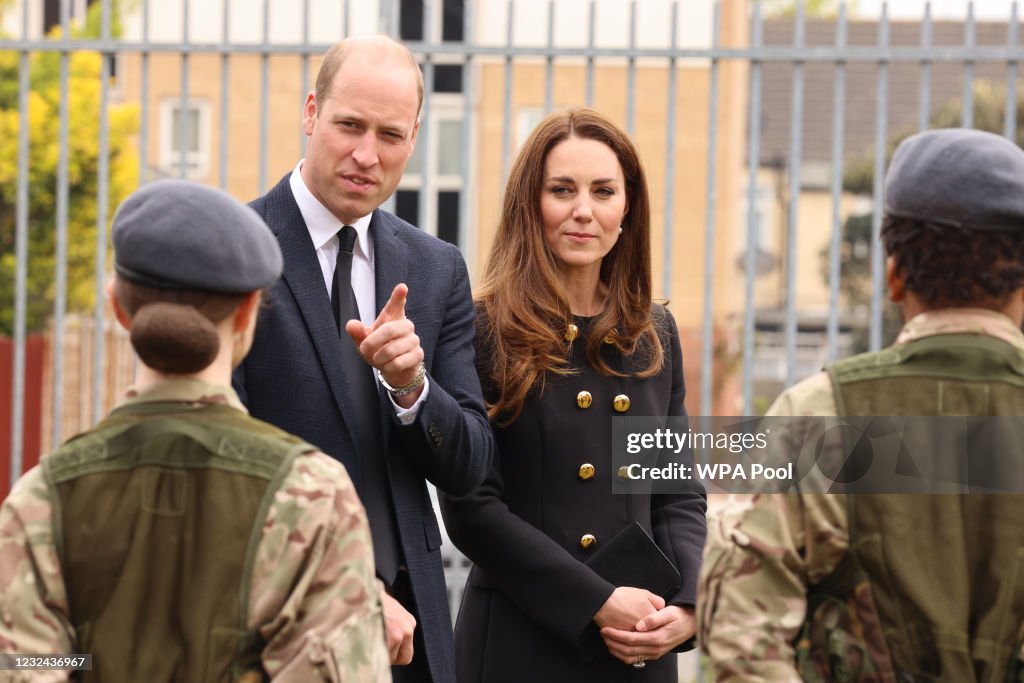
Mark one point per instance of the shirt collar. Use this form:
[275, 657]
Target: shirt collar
[321, 223]
[185, 390]
[962, 321]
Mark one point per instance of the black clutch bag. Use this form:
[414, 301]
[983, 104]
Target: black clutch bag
[631, 558]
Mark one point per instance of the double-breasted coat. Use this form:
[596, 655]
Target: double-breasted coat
[530, 598]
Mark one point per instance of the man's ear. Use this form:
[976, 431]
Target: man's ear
[246, 311]
[309, 113]
[122, 316]
[896, 281]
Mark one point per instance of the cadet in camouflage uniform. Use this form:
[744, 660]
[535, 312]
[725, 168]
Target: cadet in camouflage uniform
[827, 587]
[181, 539]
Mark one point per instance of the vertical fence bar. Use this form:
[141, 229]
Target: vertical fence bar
[591, 30]
[467, 237]
[506, 143]
[60, 299]
[426, 158]
[670, 160]
[264, 98]
[835, 245]
[708, 340]
[753, 156]
[925, 102]
[183, 107]
[304, 68]
[21, 262]
[881, 132]
[344, 20]
[225, 98]
[144, 98]
[549, 62]
[793, 201]
[967, 114]
[143, 121]
[631, 72]
[1010, 116]
[102, 199]
[389, 24]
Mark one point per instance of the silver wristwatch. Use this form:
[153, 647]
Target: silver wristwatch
[412, 386]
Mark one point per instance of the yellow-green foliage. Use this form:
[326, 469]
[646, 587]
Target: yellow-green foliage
[83, 167]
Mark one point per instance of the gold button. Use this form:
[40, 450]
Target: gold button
[587, 541]
[610, 338]
[621, 403]
[584, 399]
[586, 471]
[571, 332]
[624, 472]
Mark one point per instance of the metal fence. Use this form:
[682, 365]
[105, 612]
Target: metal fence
[447, 36]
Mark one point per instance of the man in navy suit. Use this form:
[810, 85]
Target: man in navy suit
[365, 347]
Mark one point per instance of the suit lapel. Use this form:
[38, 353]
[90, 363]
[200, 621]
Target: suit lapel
[303, 276]
[391, 259]
[390, 266]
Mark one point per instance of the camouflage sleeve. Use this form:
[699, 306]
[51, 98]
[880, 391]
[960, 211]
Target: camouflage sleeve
[33, 602]
[314, 597]
[752, 591]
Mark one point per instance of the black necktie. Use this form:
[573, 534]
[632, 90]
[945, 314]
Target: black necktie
[372, 482]
[343, 300]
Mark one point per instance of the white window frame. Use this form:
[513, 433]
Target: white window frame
[170, 158]
[443, 107]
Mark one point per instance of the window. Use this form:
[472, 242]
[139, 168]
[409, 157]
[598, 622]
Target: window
[448, 78]
[453, 22]
[443, 148]
[448, 216]
[407, 206]
[76, 12]
[194, 147]
[449, 147]
[410, 23]
[526, 121]
[432, 189]
[51, 14]
[447, 20]
[765, 208]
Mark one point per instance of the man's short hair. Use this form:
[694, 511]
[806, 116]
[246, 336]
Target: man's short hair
[385, 46]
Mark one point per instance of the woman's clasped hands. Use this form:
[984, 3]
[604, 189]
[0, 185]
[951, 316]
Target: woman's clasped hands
[636, 625]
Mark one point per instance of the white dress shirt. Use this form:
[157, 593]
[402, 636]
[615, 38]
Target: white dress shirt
[323, 229]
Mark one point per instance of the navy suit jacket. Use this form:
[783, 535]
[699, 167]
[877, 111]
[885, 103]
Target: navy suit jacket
[293, 377]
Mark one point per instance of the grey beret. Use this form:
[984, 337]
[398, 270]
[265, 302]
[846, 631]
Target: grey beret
[176, 234]
[960, 178]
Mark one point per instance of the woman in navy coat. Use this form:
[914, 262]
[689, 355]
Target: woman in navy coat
[567, 338]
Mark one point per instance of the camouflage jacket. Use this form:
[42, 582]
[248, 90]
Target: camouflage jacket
[314, 597]
[764, 551]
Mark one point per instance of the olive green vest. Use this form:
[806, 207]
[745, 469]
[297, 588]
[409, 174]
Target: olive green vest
[942, 606]
[157, 516]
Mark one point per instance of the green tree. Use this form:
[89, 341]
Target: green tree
[83, 165]
[858, 178]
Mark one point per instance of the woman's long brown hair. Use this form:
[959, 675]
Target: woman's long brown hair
[527, 307]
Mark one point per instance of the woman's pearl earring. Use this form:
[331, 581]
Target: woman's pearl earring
[620, 229]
